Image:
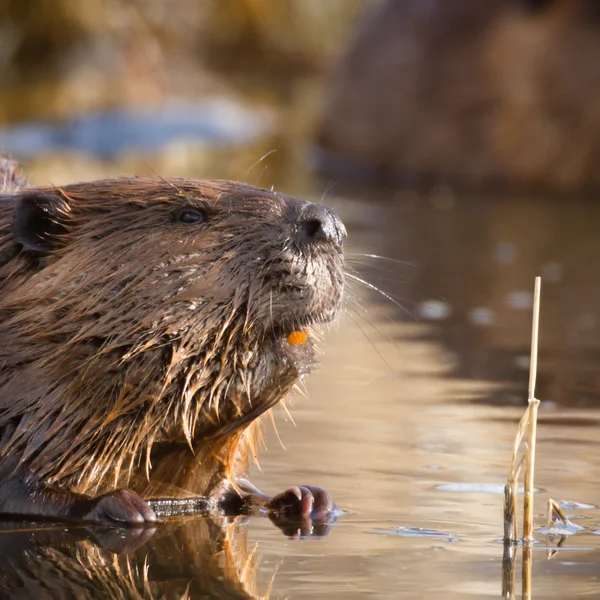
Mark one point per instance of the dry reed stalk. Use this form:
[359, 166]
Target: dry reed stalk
[532, 407]
[527, 425]
[555, 513]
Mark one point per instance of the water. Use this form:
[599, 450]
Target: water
[409, 422]
[415, 431]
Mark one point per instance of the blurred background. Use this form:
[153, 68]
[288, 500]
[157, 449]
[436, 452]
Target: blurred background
[192, 88]
[460, 141]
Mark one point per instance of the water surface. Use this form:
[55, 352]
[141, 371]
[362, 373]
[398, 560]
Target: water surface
[411, 418]
[409, 422]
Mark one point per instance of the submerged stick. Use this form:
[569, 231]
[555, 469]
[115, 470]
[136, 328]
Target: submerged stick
[510, 489]
[555, 513]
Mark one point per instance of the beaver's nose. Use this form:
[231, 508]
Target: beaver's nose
[319, 224]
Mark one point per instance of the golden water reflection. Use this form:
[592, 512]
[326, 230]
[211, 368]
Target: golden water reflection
[413, 401]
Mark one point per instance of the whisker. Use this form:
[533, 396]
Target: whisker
[258, 162]
[355, 305]
[386, 258]
[156, 174]
[387, 364]
[351, 270]
[381, 277]
[371, 266]
[327, 189]
[384, 294]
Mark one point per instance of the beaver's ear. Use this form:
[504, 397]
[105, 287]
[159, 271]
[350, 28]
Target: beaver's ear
[38, 221]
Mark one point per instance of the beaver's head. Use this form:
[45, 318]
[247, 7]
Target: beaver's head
[138, 310]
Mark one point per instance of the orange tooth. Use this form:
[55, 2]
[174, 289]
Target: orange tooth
[297, 337]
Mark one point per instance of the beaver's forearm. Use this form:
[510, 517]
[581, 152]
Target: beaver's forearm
[21, 495]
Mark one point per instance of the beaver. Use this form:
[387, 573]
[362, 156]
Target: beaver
[145, 326]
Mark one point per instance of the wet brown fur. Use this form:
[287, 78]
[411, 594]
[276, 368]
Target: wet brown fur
[137, 351]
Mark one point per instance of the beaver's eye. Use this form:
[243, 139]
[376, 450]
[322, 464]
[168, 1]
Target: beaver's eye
[191, 216]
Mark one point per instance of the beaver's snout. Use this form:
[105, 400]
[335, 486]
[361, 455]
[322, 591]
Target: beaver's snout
[319, 224]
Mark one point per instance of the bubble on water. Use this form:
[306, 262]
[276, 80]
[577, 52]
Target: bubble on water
[572, 505]
[505, 253]
[560, 528]
[548, 405]
[482, 316]
[450, 357]
[417, 532]
[586, 321]
[442, 197]
[428, 447]
[434, 310]
[522, 362]
[551, 272]
[520, 300]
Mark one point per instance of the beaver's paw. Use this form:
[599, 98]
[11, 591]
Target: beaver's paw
[122, 507]
[303, 511]
[302, 501]
[119, 540]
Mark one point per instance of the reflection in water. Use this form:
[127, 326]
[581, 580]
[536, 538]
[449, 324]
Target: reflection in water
[475, 258]
[194, 559]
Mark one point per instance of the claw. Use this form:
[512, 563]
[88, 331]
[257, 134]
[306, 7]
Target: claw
[121, 506]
